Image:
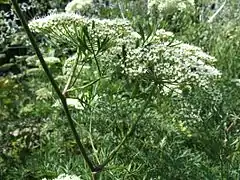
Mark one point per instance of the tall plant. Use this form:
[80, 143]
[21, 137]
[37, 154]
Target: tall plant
[159, 63]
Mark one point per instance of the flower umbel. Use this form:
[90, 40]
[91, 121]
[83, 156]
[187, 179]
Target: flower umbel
[78, 5]
[172, 63]
[164, 59]
[164, 7]
[66, 27]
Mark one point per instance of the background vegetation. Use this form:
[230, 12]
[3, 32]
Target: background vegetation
[192, 136]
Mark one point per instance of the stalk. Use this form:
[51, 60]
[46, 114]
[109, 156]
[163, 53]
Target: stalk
[130, 131]
[54, 84]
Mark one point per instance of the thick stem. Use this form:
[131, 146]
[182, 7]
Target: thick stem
[54, 84]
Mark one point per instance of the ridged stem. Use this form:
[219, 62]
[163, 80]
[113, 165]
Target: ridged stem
[54, 84]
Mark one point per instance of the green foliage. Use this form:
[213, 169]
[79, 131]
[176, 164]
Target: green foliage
[4, 2]
[186, 132]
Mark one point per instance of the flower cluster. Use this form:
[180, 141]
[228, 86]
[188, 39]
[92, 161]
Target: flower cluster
[163, 59]
[78, 5]
[66, 27]
[171, 63]
[236, 81]
[162, 35]
[169, 6]
[57, 25]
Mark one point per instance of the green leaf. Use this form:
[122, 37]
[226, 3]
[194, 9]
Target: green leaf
[4, 2]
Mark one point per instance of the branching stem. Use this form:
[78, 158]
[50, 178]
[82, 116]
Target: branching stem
[70, 79]
[54, 84]
[131, 130]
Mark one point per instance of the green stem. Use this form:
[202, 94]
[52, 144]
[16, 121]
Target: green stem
[130, 131]
[94, 55]
[70, 79]
[54, 84]
[98, 66]
[85, 86]
[77, 76]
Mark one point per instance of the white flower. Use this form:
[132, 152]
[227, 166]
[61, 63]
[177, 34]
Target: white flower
[65, 27]
[135, 35]
[172, 62]
[169, 6]
[76, 5]
[162, 35]
[237, 81]
[56, 22]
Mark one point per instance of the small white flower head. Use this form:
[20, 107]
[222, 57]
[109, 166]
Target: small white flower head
[114, 28]
[236, 81]
[172, 62]
[162, 35]
[166, 7]
[66, 27]
[78, 5]
[54, 23]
